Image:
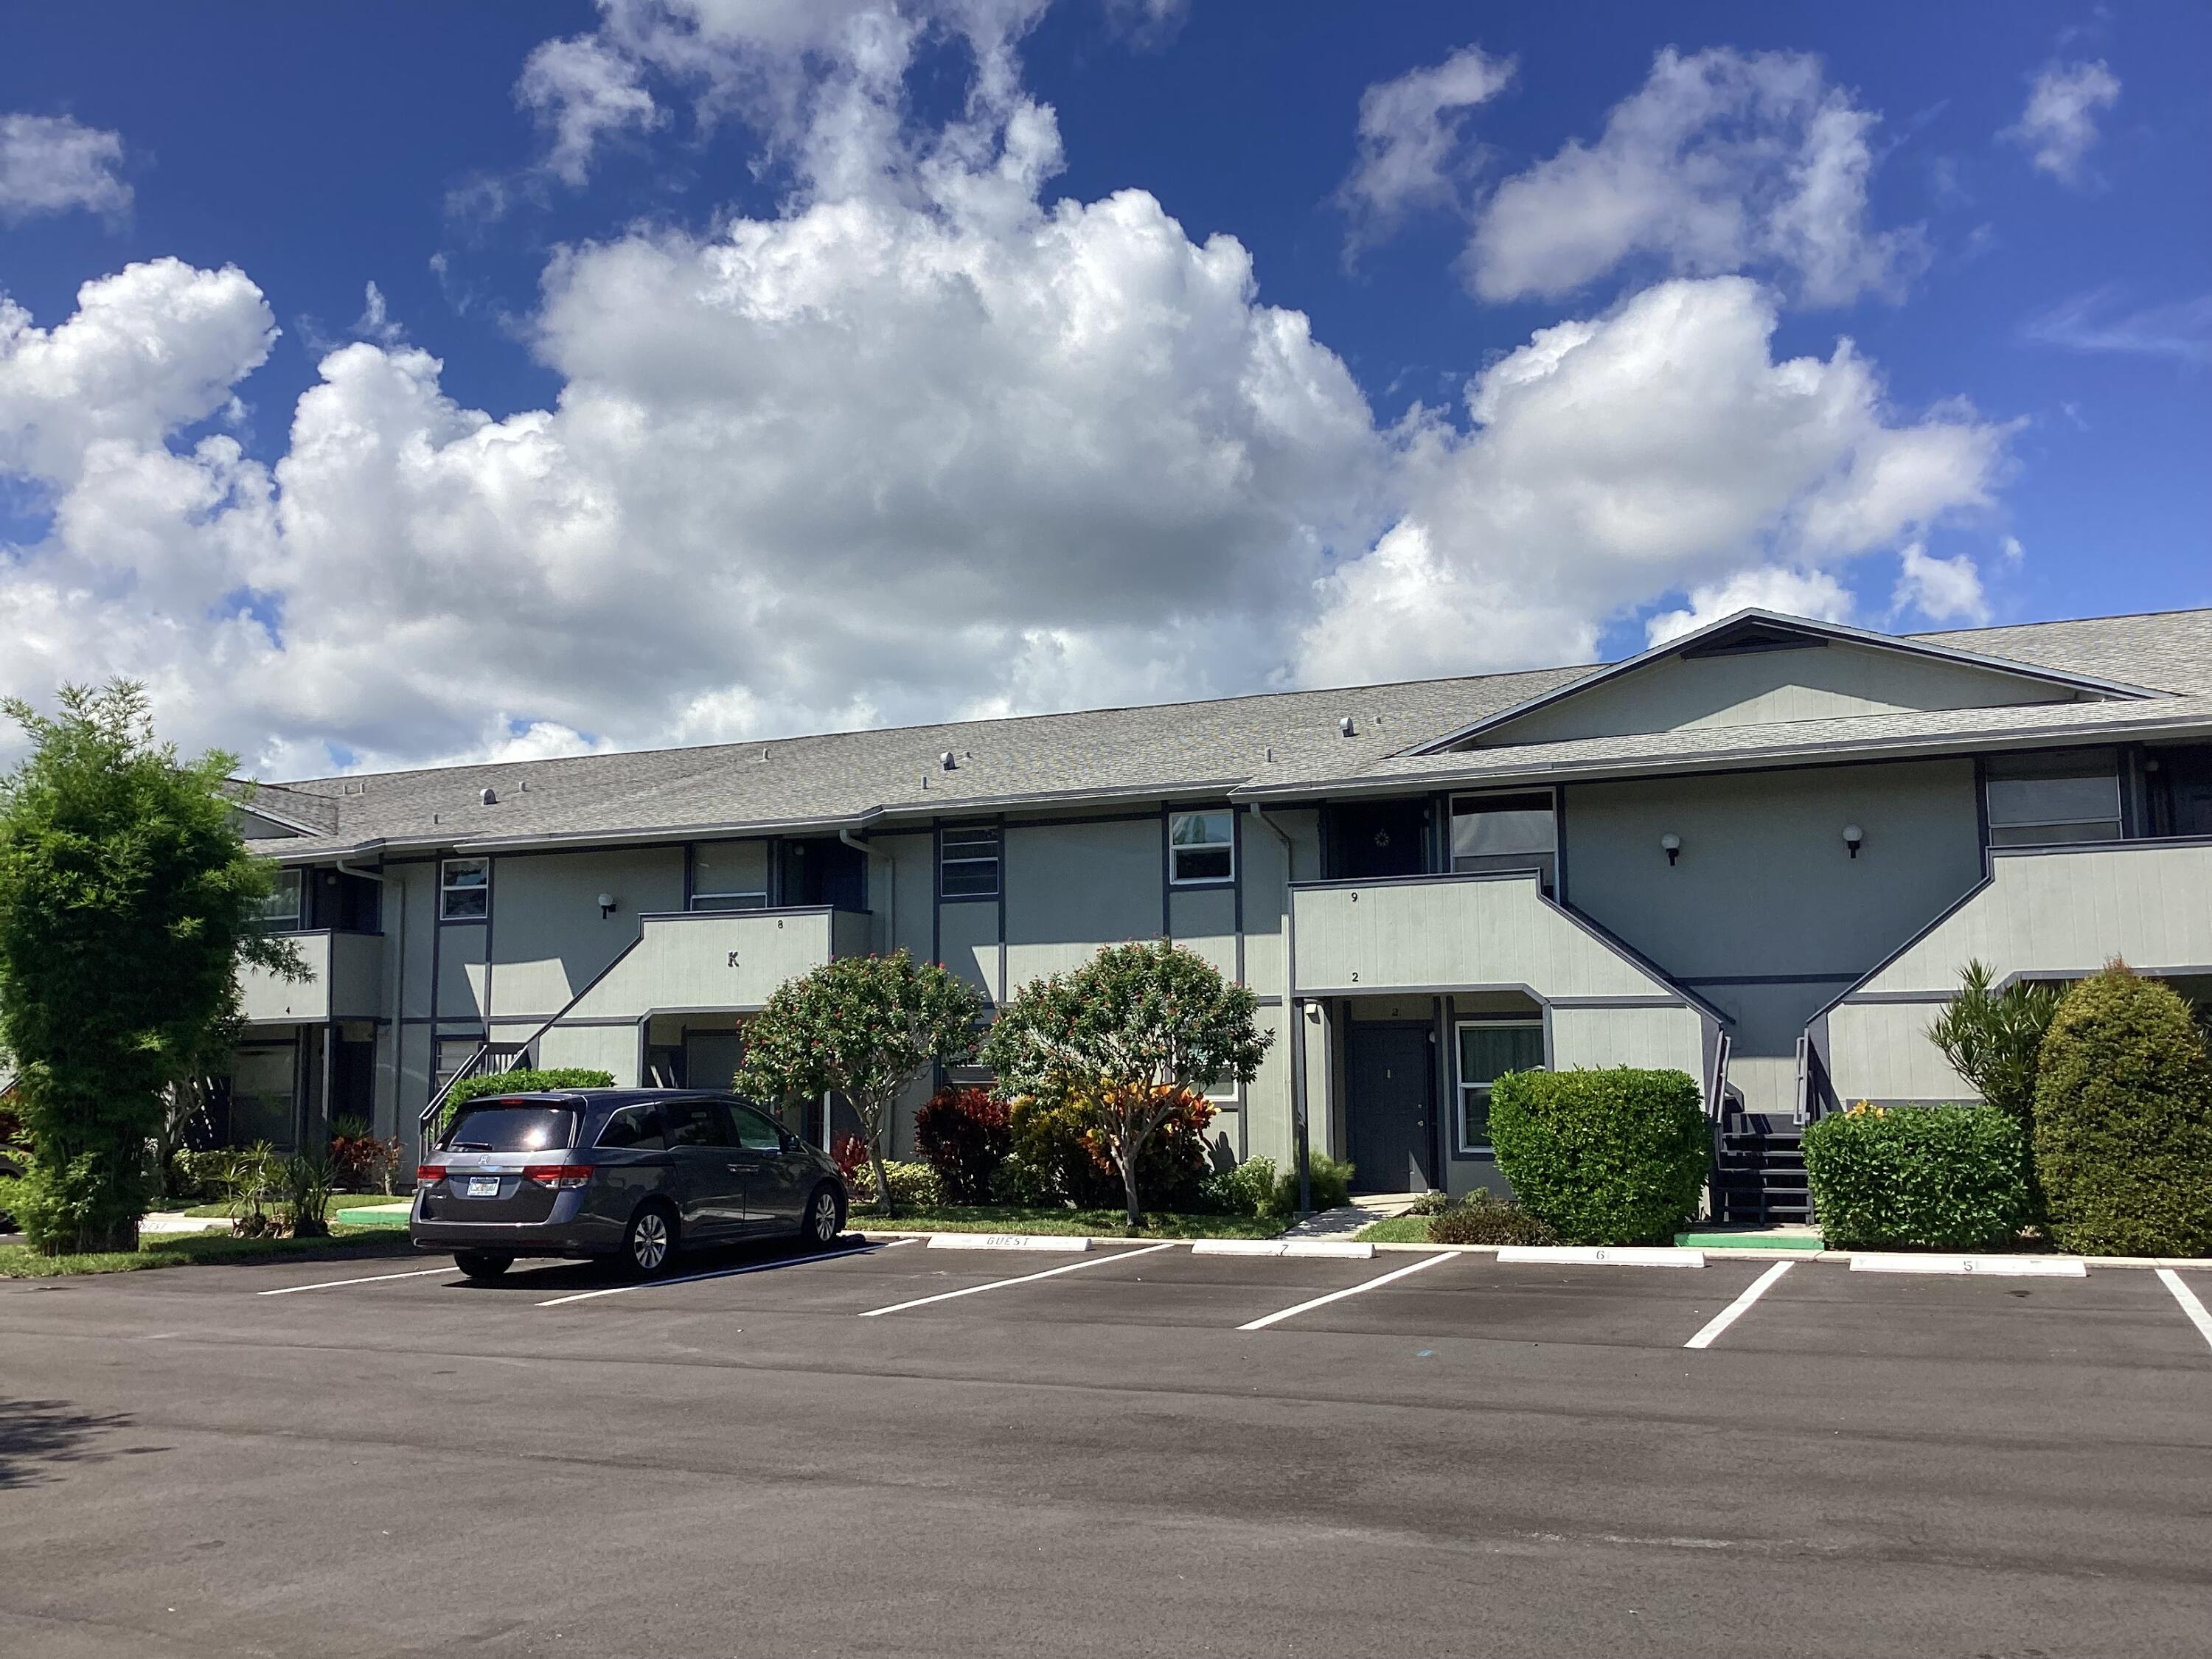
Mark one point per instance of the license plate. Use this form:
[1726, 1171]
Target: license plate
[483, 1186]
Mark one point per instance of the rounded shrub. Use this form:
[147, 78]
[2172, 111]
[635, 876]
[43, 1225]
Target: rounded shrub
[524, 1082]
[1936, 1177]
[1328, 1184]
[1485, 1218]
[1612, 1156]
[2123, 1121]
[964, 1134]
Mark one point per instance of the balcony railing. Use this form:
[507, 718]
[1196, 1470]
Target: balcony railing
[2041, 912]
[1413, 933]
[344, 980]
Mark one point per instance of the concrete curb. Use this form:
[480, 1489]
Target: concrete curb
[2185, 1264]
[1065, 1244]
[1329, 1249]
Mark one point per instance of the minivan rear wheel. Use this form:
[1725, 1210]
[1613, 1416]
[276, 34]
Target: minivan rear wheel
[482, 1264]
[825, 1218]
[649, 1242]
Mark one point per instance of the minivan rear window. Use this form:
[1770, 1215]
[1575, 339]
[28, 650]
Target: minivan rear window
[511, 1126]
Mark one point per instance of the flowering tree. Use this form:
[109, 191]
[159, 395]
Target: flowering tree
[863, 1027]
[1127, 1038]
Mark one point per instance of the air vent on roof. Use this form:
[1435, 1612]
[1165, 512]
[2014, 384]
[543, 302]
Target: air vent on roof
[1345, 728]
[488, 796]
[946, 760]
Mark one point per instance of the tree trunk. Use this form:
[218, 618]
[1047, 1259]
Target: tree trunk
[883, 1181]
[1128, 1163]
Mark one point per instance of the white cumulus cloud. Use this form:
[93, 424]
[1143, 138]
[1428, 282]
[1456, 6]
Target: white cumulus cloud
[1411, 152]
[923, 441]
[1660, 448]
[1814, 593]
[55, 163]
[1941, 590]
[1723, 160]
[2058, 127]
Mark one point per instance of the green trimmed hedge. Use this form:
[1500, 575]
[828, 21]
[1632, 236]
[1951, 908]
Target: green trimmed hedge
[1486, 1219]
[1613, 1156]
[2123, 1121]
[1936, 1177]
[522, 1083]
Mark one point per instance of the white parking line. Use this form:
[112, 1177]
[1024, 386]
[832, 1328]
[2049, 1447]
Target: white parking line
[2189, 1304]
[1735, 1310]
[373, 1278]
[1375, 1282]
[724, 1273]
[1024, 1279]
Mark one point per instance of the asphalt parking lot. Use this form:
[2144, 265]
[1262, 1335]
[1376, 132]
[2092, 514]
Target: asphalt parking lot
[898, 1449]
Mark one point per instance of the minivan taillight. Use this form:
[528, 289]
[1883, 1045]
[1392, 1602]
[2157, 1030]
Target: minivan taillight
[559, 1177]
[428, 1174]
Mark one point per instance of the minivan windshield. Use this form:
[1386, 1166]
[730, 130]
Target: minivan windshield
[511, 1126]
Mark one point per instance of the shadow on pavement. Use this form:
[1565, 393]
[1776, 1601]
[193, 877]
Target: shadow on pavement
[37, 1435]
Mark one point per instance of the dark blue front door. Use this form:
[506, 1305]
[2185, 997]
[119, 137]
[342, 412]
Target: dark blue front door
[1387, 1073]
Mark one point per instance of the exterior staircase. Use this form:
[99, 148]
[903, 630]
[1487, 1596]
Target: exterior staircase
[1759, 1169]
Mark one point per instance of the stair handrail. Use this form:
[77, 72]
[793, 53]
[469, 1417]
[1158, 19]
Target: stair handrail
[478, 1064]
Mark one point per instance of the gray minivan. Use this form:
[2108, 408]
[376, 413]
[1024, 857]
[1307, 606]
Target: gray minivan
[633, 1174]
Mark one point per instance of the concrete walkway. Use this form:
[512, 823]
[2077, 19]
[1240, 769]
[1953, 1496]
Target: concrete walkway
[1348, 1219]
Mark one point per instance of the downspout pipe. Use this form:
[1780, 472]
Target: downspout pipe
[1295, 1020]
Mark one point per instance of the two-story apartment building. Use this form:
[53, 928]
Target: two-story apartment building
[1759, 853]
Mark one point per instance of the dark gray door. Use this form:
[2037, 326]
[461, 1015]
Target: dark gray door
[1388, 1074]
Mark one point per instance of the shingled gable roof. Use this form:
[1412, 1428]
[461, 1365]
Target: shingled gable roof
[1280, 746]
[1760, 628]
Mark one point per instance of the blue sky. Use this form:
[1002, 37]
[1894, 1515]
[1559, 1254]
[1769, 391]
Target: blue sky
[747, 366]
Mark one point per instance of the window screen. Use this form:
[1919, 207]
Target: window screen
[1488, 1049]
[2037, 800]
[282, 908]
[464, 889]
[729, 875]
[967, 861]
[1202, 847]
[1501, 833]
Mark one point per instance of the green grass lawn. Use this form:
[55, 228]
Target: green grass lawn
[339, 1201]
[188, 1249]
[1395, 1230]
[1100, 1224]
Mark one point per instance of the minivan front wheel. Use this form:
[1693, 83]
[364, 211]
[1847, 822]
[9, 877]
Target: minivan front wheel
[825, 1218]
[482, 1264]
[649, 1242]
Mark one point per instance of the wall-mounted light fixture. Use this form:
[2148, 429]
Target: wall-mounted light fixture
[1671, 845]
[607, 906]
[1854, 838]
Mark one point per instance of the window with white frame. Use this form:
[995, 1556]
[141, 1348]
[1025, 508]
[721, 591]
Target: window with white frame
[1504, 833]
[464, 889]
[729, 875]
[967, 861]
[281, 909]
[2037, 800]
[1201, 848]
[1488, 1049]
